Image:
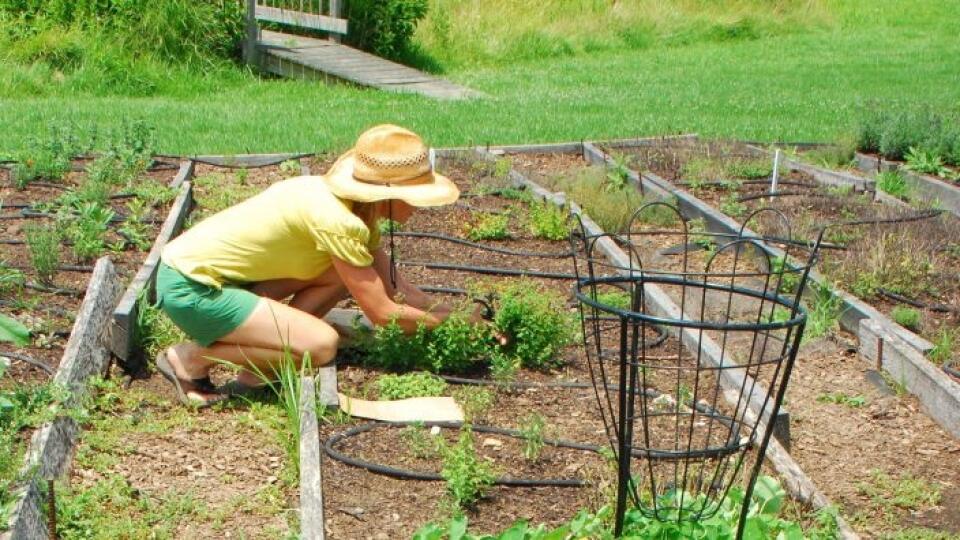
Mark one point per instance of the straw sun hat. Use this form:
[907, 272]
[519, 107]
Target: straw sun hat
[389, 162]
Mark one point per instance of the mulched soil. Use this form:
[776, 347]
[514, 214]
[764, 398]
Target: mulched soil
[838, 446]
[50, 314]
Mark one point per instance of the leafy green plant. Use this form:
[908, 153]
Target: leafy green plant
[697, 230]
[532, 432]
[750, 169]
[409, 385]
[618, 175]
[907, 492]
[43, 243]
[135, 229]
[839, 398]
[893, 183]
[46, 158]
[502, 167]
[290, 167]
[731, 206]
[489, 227]
[503, 368]
[906, 316]
[385, 226]
[657, 214]
[925, 162]
[789, 280]
[536, 321]
[454, 346]
[548, 221]
[420, 442]
[88, 231]
[468, 476]
[763, 521]
[11, 279]
[474, 400]
[823, 317]
[13, 331]
[611, 210]
[616, 299]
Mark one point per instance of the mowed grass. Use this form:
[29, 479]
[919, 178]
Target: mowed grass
[803, 86]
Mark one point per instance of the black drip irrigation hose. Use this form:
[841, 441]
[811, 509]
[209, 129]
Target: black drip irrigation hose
[28, 360]
[226, 165]
[488, 270]
[472, 208]
[485, 247]
[950, 370]
[882, 221]
[756, 196]
[53, 290]
[940, 308]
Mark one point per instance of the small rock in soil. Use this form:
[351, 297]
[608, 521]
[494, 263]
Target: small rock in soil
[490, 442]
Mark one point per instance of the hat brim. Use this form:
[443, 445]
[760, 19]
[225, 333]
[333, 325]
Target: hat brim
[437, 191]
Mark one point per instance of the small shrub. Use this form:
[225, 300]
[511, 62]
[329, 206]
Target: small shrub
[468, 476]
[489, 227]
[906, 317]
[618, 175]
[907, 128]
[548, 221]
[536, 321]
[43, 242]
[384, 27]
[611, 210]
[893, 183]
[46, 158]
[502, 167]
[503, 368]
[870, 129]
[422, 444]
[454, 346]
[410, 385]
[749, 169]
[532, 432]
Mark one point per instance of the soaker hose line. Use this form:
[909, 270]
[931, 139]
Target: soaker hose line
[485, 247]
[488, 270]
[948, 367]
[940, 308]
[330, 448]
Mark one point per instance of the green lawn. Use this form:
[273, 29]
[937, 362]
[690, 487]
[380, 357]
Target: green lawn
[806, 86]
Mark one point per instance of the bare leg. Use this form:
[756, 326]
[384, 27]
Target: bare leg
[260, 342]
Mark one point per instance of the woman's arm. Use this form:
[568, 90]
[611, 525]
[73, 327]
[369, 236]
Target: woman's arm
[370, 291]
[410, 294]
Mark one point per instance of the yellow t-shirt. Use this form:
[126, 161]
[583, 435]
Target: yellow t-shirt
[290, 230]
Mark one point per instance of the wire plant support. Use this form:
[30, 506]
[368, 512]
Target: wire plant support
[690, 418]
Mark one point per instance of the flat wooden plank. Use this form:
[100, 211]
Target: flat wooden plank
[299, 18]
[51, 446]
[185, 173]
[311, 476]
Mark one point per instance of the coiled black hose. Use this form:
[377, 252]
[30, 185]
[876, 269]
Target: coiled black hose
[331, 442]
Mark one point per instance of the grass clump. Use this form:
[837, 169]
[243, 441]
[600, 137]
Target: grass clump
[468, 476]
[43, 243]
[489, 227]
[905, 493]
[823, 316]
[548, 221]
[839, 398]
[410, 385]
[893, 183]
[906, 317]
[532, 432]
[943, 346]
[611, 210]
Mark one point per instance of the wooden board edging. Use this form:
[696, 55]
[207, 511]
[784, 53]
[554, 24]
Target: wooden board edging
[924, 187]
[123, 341]
[311, 475]
[796, 482]
[184, 174]
[51, 447]
[938, 393]
[639, 142]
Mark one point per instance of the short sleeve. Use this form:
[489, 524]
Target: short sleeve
[352, 247]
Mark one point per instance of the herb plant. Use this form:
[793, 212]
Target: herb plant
[538, 323]
[788, 277]
[409, 385]
[11, 279]
[88, 231]
[489, 227]
[468, 476]
[943, 346]
[893, 183]
[134, 228]
[548, 221]
[925, 162]
[422, 444]
[43, 242]
[532, 431]
[474, 400]
[731, 206]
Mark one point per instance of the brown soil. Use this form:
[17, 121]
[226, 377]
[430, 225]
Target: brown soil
[50, 315]
[839, 446]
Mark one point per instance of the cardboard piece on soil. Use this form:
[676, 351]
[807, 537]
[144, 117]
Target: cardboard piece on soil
[423, 409]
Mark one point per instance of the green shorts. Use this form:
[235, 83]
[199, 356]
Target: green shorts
[204, 313]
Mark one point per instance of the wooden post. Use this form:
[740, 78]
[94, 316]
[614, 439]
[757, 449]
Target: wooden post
[250, 45]
[335, 11]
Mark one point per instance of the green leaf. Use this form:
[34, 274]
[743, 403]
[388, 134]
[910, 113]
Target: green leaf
[769, 495]
[6, 404]
[12, 331]
[430, 531]
[458, 528]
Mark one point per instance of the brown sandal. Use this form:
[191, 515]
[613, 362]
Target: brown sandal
[184, 386]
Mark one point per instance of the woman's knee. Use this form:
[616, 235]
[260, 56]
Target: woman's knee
[321, 345]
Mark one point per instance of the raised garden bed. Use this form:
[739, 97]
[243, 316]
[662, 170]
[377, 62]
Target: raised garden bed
[825, 372]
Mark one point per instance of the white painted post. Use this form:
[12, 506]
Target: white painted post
[776, 173]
